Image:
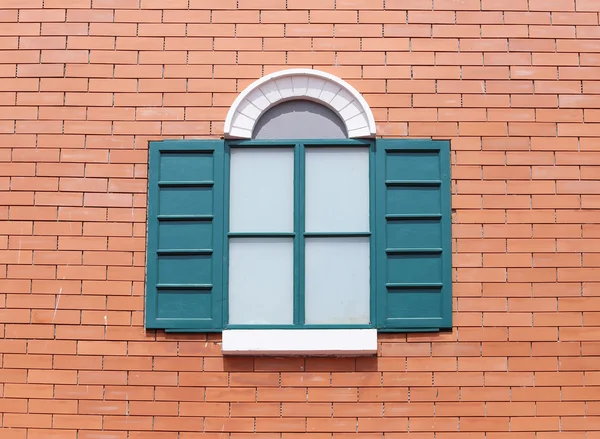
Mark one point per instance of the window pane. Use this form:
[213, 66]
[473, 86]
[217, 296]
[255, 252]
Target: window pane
[337, 189]
[262, 190]
[337, 281]
[261, 281]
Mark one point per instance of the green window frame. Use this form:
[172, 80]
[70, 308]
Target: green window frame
[299, 233]
[188, 234]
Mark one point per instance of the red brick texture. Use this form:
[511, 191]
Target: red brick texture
[515, 85]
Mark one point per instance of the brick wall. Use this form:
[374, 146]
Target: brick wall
[86, 83]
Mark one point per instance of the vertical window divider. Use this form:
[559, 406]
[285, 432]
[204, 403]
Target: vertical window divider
[226, 209]
[373, 232]
[299, 203]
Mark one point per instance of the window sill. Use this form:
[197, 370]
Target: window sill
[350, 342]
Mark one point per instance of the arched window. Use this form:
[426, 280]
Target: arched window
[299, 84]
[299, 232]
[299, 202]
[299, 119]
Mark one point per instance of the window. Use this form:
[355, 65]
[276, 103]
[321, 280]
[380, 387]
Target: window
[299, 235]
[322, 235]
[390, 223]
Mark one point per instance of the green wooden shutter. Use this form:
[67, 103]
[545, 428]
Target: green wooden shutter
[414, 256]
[184, 280]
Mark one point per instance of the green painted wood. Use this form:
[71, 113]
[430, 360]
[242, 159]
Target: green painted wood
[373, 303]
[293, 143]
[184, 286]
[192, 251]
[299, 242]
[337, 234]
[411, 250]
[412, 183]
[413, 216]
[299, 233]
[187, 267]
[186, 183]
[261, 234]
[225, 237]
[184, 281]
[185, 217]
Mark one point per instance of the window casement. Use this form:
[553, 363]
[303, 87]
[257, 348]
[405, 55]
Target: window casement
[299, 241]
[298, 246]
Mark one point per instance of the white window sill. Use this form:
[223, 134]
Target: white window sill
[350, 342]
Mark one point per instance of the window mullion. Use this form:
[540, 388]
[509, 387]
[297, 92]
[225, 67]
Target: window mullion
[299, 184]
[373, 229]
[336, 234]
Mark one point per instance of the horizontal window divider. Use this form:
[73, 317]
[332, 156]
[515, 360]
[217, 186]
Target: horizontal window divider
[410, 216]
[190, 251]
[298, 327]
[184, 286]
[261, 144]
[185, 217]
[400, 251]
[336, 234]
[409, 285]
[337, 145]
[396, 183]
[335, 142]
[261, 234]
[186, 183]
[306, 142]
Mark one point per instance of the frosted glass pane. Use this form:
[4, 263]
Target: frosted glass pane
[337, 189]
[337, 285]
[261, 280]
[261, 190]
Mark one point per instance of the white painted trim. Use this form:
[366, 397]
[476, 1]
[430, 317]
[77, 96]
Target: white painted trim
[344, 342]
[284, 85]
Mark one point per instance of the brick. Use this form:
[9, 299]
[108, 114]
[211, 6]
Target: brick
[142, 408]
[436, 394]
[28, 391]
[286, 425]
[285, 395]
[226, 425]
[519, 107]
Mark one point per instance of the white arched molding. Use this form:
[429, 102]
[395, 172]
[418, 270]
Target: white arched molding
[285, 85]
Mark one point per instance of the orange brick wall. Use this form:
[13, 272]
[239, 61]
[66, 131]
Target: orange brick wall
[85, 84]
